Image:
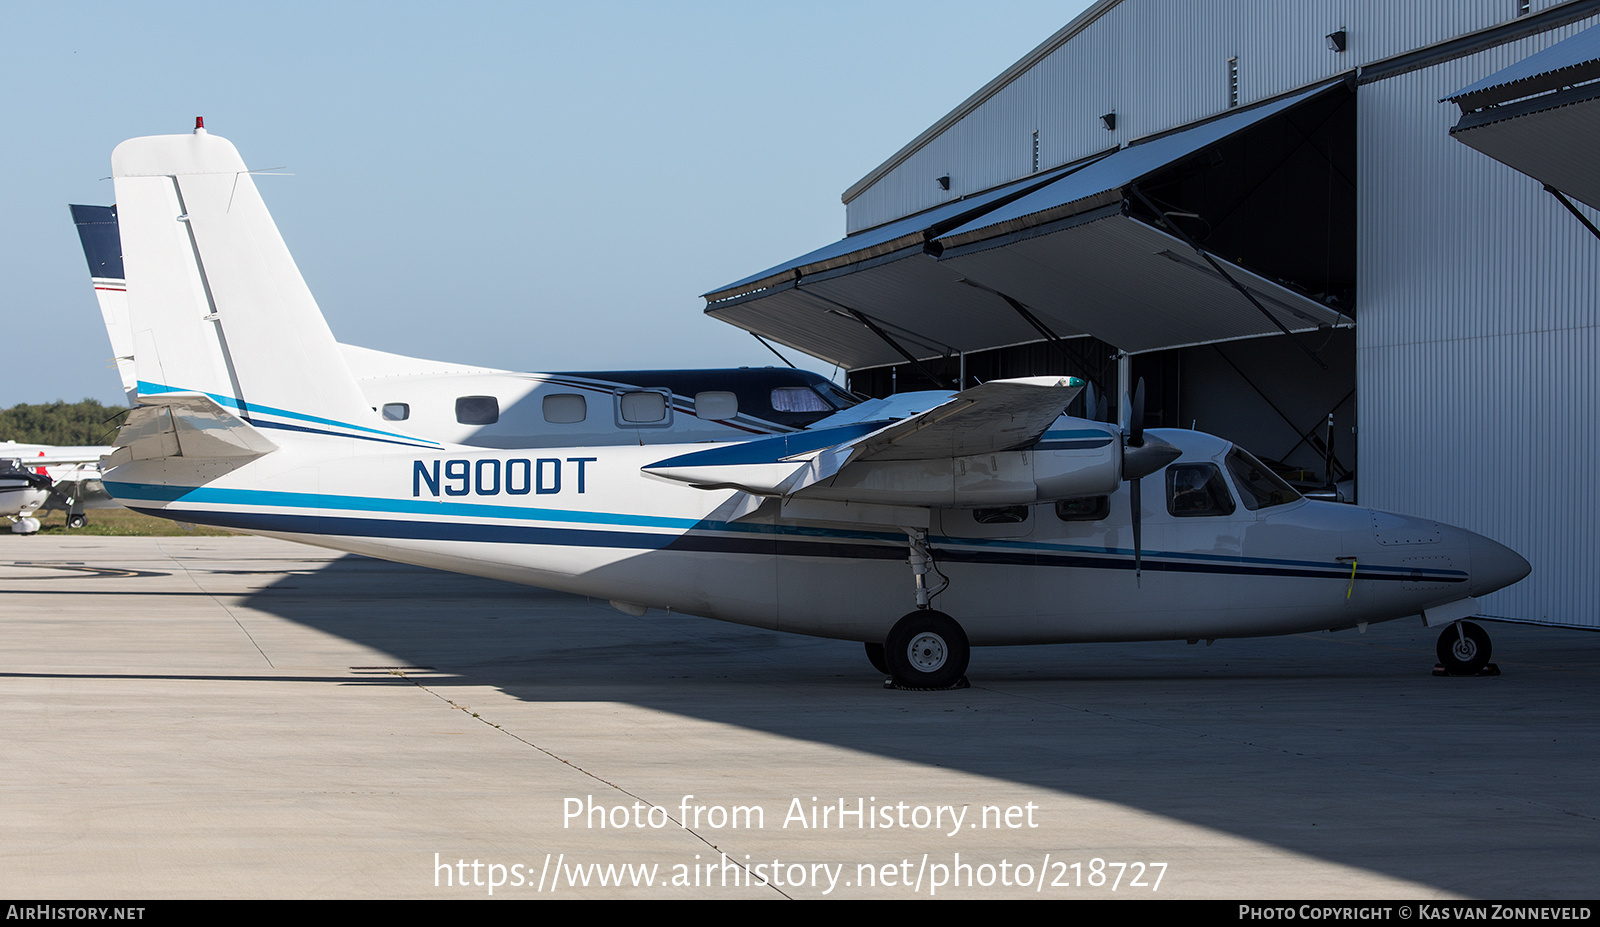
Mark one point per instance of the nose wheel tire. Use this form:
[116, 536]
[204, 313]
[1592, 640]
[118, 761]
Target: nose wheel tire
[1463, 649]
[875, 657]
[926, 650]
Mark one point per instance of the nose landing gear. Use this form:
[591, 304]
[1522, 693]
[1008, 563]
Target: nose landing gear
[1464, 650]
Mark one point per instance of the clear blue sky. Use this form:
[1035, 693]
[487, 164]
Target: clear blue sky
[534, 186]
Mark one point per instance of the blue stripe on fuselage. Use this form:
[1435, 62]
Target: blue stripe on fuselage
[146, 388]
[685, 534]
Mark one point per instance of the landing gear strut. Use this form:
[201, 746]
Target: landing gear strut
[926, 649]
[1463, 650]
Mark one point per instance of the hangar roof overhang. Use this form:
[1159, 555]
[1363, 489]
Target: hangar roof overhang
[1541, 116]
[1060, 254]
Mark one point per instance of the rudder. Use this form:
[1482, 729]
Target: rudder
[216, 303]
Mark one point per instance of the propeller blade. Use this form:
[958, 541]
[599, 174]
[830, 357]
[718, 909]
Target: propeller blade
[1141, 457]
[1136, 418]
[1138, 519]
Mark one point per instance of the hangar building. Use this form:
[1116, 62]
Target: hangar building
[1273, 213]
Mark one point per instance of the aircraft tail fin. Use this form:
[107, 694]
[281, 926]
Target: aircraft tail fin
[102, 248]
[216, 304]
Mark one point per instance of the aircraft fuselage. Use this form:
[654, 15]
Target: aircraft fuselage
[587, 521]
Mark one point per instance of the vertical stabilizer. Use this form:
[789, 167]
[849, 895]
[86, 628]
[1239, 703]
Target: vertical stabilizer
[102, 248]
[216, 303]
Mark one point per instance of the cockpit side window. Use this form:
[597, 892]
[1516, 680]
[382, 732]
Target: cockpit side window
[798, 399]
[1002, 515]
[1195, 490]
[1258, 486]
[1087, 508]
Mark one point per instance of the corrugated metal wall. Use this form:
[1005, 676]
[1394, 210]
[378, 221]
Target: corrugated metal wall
[1477, 340]
[1478, 330]
[1158, 64]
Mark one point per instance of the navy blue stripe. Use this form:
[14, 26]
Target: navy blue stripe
[838, 548]
[285, 426]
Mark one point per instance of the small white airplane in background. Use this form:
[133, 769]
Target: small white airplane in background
[32, 474]
[989, 502]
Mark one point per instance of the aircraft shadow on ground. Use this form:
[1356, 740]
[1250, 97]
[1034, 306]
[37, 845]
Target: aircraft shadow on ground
[1340, 747]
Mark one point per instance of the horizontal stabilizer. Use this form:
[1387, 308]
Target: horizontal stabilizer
[188, 425]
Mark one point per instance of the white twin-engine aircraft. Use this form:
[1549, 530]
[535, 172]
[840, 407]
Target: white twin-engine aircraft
[988, 503]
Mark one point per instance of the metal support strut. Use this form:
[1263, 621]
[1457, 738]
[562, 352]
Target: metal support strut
[921, 560]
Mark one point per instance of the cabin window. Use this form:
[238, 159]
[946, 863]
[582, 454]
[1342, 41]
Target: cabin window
[798, 399]
[565, 408]
[642, 407]
[1003, 515]
[1258, 486]
[1088, 508]
[1195, 490]
[716, 405]
[835, 396]
[396, 411]
[477, 410]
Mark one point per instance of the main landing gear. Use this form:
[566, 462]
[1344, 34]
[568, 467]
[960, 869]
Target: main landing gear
[1464, 650]
[926, 649]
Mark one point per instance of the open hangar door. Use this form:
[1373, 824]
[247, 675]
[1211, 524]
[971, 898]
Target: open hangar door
[1219, 258]
[1263, 395]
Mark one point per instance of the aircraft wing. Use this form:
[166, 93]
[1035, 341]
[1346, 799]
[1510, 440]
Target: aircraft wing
[997, 416]
[1000, 415]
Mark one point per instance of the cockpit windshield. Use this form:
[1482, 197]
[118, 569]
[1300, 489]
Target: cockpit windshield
[1258, 486]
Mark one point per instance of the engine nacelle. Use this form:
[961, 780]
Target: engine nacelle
[1002, 478]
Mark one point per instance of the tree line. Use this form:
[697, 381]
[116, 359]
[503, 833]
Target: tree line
[66, 423]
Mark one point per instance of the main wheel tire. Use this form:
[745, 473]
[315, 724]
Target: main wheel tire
[1464, 652]
[875, 657]
[77, 521]
[926, 650]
